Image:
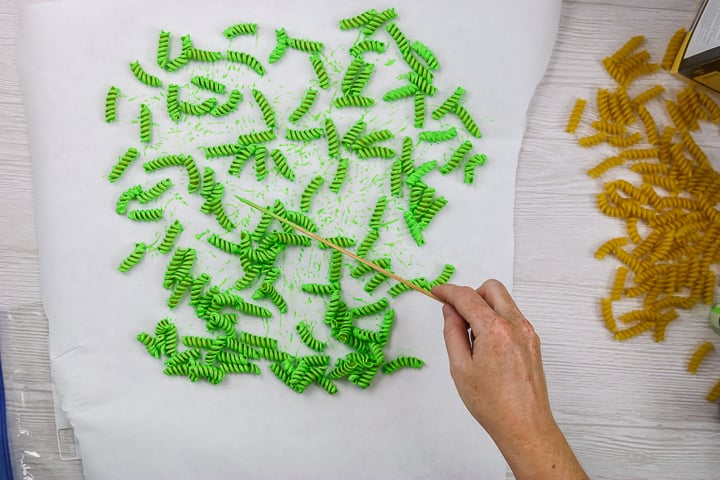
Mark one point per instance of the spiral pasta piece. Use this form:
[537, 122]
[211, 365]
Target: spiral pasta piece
[366, 46]
[280, 47]
[437, 136]
[111, 100]
[372, 138]
[282, 164]
[198, 109]
[672, 49]
[376, 152]
[576, 115]
[398, 36]
[170, 237]
[308, 193]
[353, 101]
[240, 29]
[319, 68]
[340, 175]
[357, 21]
[307, 338]
[223, 109]
[305, 105]
[419, 109]
[402, 362]
[458, 155]
[449, 104]
[134, 258]
[467, 120]
[208, 84]
[270, 292]
[376, 21]
[145, 124]
[267, 112]
[122, 164]
[333, 138]
[150, 215]
[173, 102]
[378, 212]
[143, 76]
[426, 54]
[306, 135]
[423, 84]
[400, 93]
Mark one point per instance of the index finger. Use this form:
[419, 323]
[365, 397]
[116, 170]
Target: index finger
[474, 309]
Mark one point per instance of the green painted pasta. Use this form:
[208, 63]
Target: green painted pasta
[267, 111]
[122, 164]
[149, 215]
[282, 165]
[307, 338]
[291, 239]
[163, 48]
[444, 277]
[340, 175]
[345, 242]
[408, 167]
[173, 102]
[468, 121]
[367, 46]
[335, 273]
[402, 362]
[333, 139]
[256, 137]
[145, 124]
[270, 292]
[375, 22]
[426, 54]
[143, 76]
[240, 29]
[223, 109]
[422, 83]
[353, 101]
[123, 202]
[353, 133]
[308, 46]
[179, 292]
[414, 228]
[199, 55]
[307, 135]
[372, 138]
[378, 212]
[170, 237]
[420, 172]
[369, 309]
[437, 136]
[134, 258]
[400, 39]
[396, 178]
[319, 68]
[223, 244]
[305, 105]
[376, 280]
[280, 47]
[260, 162]
[368, 243]
[309, 192]
[302, 220]
[145, 196]
[224, 150]
[470, 166]
[246, 59]
[457, 157]
[208, 84]
[198, 109]
[449, 104]
[357, 21]
[376, 152]
[258, 341]
[401, 92]
[417, 66]
[111, 100]
[432, 210]
[419, 106]
[350, 74]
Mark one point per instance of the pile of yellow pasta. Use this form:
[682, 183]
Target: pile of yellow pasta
[673, 225]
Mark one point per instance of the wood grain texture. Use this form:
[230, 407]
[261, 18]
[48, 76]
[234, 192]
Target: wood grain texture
[629, 410]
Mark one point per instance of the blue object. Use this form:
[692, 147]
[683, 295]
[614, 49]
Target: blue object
[5, 466]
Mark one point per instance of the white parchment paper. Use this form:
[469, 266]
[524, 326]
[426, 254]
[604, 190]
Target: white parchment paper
[134, 422]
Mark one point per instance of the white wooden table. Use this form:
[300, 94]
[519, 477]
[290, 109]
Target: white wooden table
[629, 410]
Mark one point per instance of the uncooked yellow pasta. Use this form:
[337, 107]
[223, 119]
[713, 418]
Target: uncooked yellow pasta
[632, 230]
[625, 141]
[576, 115]
[634, 331]
[672, 49]
[648, 95]
[593, 140]
[610, 246]
[714, 394]
[605, 165]
[699, 355]
[619, 283]
[607, 314]
[651, 132]
[607, 127]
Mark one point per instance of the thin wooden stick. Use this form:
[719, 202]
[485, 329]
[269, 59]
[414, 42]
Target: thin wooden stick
[340, 249]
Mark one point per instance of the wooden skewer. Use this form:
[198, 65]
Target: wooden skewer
[340, 249]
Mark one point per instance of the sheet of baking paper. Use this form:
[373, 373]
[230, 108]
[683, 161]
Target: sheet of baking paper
[134, 422]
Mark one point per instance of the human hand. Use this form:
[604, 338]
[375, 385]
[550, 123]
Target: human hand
[496, 365]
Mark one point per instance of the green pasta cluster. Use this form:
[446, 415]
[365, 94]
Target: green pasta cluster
[260, 252]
